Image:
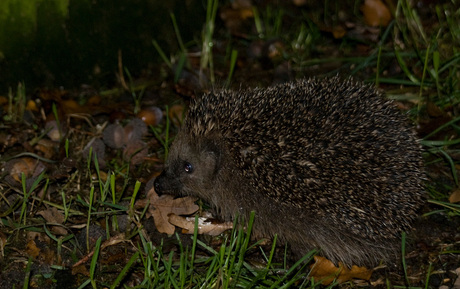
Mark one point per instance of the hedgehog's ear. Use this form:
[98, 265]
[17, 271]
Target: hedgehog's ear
[213, 155]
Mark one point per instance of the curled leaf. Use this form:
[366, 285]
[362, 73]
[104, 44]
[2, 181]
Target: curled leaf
[204, 225]
[164, 205]
[325, 271]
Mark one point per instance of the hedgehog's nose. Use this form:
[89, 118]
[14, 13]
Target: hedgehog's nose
[157, 184]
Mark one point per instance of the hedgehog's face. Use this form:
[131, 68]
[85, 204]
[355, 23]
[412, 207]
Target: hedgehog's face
[191, 169]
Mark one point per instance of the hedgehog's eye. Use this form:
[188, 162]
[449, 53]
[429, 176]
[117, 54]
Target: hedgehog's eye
[188, 168]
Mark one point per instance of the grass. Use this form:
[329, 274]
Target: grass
[162, 134]
[92, 197]
[224, 268]
[206, 60]
[16, 104]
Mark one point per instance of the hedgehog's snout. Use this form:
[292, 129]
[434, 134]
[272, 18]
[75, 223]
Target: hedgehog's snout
[167, 183]
[158, 184]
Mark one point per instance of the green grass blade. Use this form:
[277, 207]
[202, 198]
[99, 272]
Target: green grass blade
[125, 270]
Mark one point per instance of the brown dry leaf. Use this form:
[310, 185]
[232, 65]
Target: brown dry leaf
[160, 216]
[71, 106]
[325, 271]
[236, 14]
[29, 166]
[3, 100]
[204, 226]
[338, 32]
[181, 222]
[31, 105]
[52, 215]
[47, 147]
[161, 206]
[32, 249]
[21, 166]
[94, 100]
[376, 13]
[80, 269]
[102, 175]
[110, 242]
[455, 196]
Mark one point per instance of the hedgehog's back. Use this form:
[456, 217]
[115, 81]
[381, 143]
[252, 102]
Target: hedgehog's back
[333, 150]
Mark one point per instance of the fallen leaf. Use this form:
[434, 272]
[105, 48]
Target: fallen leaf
[80, 269]
[338, 32]
[71, 106]
[455, 196]
[30, 167]
[102, 176]
[32, 249]
[204, 225]
[52, 215]
[47, 147]
[376, 13]
[94, 100]
[160, 215]
[325, 271]
[110, 242]
[31, 105]
[161, 206]
[3, 100]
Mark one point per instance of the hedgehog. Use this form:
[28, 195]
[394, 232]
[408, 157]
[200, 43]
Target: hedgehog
[326, 164]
